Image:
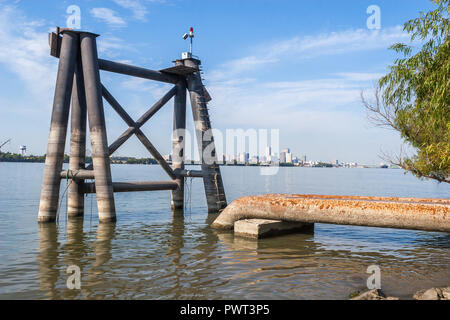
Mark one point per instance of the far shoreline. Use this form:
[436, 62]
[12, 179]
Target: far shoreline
[14, 157]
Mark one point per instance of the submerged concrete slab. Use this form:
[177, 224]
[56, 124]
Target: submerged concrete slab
[262, 228]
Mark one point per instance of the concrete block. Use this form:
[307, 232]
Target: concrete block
[262, 228]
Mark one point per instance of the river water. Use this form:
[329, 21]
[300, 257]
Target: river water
[152, 254]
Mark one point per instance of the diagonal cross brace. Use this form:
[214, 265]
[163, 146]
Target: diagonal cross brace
[134, 127]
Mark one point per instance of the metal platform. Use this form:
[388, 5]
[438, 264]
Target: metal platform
[179, 70]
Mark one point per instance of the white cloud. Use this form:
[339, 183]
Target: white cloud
[108, 16]
[153, 88]
[239, 66]
[251, 101]
[277, 104]
[114, 47]
[360, 76]
[28, 79]
[325, 107]
[108, 43]
[323, 118]
[111, 46]
[339, 42]
[24, 50]
[309, 47]
[138, 9]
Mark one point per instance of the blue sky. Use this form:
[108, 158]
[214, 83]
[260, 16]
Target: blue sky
[297, 66]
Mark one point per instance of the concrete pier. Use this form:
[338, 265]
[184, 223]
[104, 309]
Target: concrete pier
[385, 212]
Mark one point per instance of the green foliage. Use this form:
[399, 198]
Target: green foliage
[417, 91]
[15, 157]
[323, 165]
[141, 161]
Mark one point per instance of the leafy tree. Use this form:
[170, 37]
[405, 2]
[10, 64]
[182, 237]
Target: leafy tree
[414, 98]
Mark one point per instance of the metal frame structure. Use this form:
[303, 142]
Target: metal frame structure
[78, 80]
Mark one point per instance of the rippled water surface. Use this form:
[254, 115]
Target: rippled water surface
[152, 254]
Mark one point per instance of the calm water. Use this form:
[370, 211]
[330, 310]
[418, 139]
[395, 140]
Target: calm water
[151, 254]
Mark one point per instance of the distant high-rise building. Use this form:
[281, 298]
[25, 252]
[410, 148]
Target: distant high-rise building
[283, 157]
[268, 152]
[288, 157]
[286, 150]
[304, 159]
[243, 157]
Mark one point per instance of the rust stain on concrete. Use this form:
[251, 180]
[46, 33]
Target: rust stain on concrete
[405, 213]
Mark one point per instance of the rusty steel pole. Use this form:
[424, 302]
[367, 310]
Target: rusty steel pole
[77, 144]
[178, 144]
[97, 129]
[212, 178]
[48, 205]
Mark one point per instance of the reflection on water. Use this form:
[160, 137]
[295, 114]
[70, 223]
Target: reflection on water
[152, 253]
[48, 259]
[53, 258]
[191, 261]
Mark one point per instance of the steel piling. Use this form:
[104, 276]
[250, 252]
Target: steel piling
[212, 178]
[97, 128]
[178, 144]
[48, 205]
[79, 77]
[77, 144]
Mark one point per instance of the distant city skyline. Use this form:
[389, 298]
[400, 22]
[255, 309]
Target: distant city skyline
[284, 157]
[240, 157]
